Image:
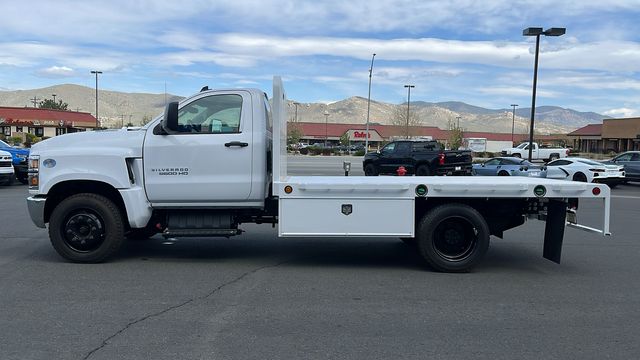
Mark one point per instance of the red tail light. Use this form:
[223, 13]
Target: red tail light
[568, 151]
[441, 159]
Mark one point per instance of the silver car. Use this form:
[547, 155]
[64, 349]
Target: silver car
[508, 166]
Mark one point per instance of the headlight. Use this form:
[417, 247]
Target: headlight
[34, 171]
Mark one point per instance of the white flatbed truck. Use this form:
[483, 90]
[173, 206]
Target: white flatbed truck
[217, 160]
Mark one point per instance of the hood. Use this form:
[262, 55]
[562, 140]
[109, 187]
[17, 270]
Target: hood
[128, 141]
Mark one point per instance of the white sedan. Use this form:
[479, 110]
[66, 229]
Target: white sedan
[586, 170]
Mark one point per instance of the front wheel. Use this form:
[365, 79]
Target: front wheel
[23, 178]
[86, 228]
[453, 238]
[370, 170]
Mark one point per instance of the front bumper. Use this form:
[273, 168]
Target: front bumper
[36, 210]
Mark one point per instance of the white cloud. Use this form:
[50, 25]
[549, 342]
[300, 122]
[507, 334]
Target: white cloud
[515, 91]
[622, 112]
[57, 72]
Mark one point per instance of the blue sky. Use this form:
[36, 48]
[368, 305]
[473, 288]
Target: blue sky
[470, 51]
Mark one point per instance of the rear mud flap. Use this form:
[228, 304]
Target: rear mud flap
[554, 230]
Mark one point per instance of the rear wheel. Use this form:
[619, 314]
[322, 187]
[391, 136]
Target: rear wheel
[86, 228]
[370, 170]
[453, 238]
[553, 157]
[517, 155]
[423, 170]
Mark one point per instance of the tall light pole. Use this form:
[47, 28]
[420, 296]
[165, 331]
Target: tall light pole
[97, 118]
[458, 124]
[408, 103]
[295, 119]
[326, 121]
[366, 138]
[537, 31]
[513, 122]
[54, 98]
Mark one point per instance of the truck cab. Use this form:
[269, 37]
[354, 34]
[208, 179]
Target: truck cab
[537, 152]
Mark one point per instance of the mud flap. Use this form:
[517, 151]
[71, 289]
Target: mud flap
[554, 230]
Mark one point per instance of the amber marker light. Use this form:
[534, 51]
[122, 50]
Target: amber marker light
[288, 189]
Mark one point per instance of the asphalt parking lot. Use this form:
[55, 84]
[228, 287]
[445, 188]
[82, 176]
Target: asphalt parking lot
[256, 296]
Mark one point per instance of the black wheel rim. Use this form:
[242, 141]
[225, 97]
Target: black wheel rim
[83, 231]
[455, 238]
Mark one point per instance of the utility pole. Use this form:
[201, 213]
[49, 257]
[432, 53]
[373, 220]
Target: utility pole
[458, 117]
[366, 139]
[97, 118]
[121, 120]
[408, 102]
[54, 97]
[35, 101]
[513, 122]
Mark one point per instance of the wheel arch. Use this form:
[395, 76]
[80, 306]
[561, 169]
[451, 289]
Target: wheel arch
[63, 190]
[500, 214]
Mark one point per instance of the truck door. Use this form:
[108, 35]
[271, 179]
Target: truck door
[209, 159]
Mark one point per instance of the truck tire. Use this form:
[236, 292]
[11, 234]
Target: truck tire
[423, 170]
[517, 155]
[86, 228]
[23, 178]
[370, 170]
[453, 238]
[554, 157]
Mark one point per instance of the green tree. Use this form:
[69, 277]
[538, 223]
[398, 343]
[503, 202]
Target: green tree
[344, 139]
[294, 134]
[50, 104]
[455, 137]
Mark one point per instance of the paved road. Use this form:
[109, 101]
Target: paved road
[259, 297]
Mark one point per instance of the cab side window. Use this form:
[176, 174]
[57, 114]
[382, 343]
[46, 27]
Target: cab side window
[216, 114]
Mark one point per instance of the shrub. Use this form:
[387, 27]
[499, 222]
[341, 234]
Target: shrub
[359, 153]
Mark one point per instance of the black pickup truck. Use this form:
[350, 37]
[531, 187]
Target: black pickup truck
[422, 158]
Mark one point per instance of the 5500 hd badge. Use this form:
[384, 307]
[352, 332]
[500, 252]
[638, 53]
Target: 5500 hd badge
[171, 171]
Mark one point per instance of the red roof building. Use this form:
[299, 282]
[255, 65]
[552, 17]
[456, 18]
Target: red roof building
[43, 122]
[318, 132]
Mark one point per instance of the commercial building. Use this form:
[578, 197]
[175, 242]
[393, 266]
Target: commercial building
[380, 134]
[613, 135]
[15, 121]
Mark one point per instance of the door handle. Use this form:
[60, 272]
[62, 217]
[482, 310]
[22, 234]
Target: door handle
[236, 143]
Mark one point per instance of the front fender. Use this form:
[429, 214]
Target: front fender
[108, 166]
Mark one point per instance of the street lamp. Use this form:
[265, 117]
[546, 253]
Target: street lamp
[537, 31]
[97, 118]
[408, 102]
[513, 122]
[326, 120]
[295, 119]
[458, 117]
[366, 139]
[54, 98]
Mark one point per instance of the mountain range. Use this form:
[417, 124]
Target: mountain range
[117, 108]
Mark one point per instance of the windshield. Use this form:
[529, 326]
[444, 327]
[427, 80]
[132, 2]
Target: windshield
[521, 146]
[4, 144]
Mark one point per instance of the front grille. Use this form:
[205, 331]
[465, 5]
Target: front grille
[5, 164]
